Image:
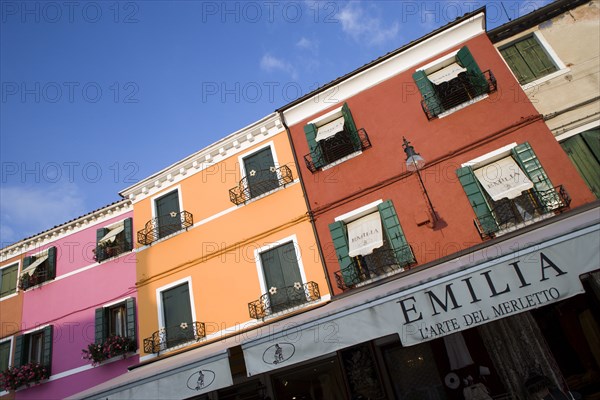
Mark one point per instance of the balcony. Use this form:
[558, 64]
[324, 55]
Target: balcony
[337, 147]
[531, 206]
[162, 226]
[259, 184]
[283, 299]
[108, 250]
[381, 263]
[456, 92]
[166, 338]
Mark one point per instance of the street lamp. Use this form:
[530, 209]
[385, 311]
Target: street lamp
[414, 163]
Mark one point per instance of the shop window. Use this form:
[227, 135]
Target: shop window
[116, 320]
[452, 82]
[508, 189]
[369, 244]
[321, 380]
[584, 151]
[528, 59]
[8, 280]
[38, 268]
[333, 138]
[34, 348]
[113, 240]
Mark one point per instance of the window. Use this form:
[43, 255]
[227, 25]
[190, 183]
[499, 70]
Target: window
[528, 59]
[332, 138]
[113, 240]
[38, 268]
[261, 174]
[177, 315]
[509, 187]
[5, 348]
[369, 243]
[116, 320]
[452, 82]
[584, 152]
[168, 212]
[34, 347]
[282, 277]
[8, 280]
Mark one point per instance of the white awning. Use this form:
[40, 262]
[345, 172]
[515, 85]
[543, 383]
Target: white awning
[365, 235]
[445, 74]
[31, 267]
[112, 234]
[330, 129]
[503, 178]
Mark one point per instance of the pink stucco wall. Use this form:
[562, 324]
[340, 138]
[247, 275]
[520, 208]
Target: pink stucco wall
[68, 303]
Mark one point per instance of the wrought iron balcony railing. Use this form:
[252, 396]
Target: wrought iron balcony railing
[463, 88]
[529, 206]
[166, 338]
[109, 250]
[260, 183]
[165, 225]
[336, 147]
[381, 262]
[283, 299]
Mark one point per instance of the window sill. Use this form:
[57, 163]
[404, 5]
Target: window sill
[379, 277]
[523, 224]
[341, 160]
[292, 310]
[463, 105]
[546, 78]
[9, 296]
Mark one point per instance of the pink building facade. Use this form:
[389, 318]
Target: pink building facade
[79, 324]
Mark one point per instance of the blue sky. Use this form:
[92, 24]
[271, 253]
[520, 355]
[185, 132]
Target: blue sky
[97, 95]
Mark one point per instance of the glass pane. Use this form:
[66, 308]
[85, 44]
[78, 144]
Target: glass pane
[320, 381]
[116, 321]
[36, 346]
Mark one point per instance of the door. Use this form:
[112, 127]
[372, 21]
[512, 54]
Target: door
[282, 277]
[168, 214]
[260, 172]
[177, 312]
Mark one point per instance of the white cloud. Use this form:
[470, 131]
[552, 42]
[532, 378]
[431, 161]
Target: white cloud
[25, 211]
[364, 27]
[308, 44]
[270, 63]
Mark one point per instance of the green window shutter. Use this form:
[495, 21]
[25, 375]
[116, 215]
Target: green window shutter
[351, 127]
[340, 243]
[528, 161]
[5, 355]
[130, 318]
[394, 233]
[582, 157]
[99, 249]
[47, 351]
[8, 280]
[128, 228]
[27, 261]
[427, 89]
[592, 139]
[310, 131]
[536, 57]
[19, 351]
[100, 325]
[52, 262]
[477, 199]
[465, 59]
[517, 64]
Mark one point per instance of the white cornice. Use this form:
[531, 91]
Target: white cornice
[68, 228]
[384, 70]
[232, 144]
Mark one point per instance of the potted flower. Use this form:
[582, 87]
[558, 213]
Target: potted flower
[112, 346]
[24, 375]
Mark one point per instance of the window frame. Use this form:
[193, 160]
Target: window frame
[154, 209]
[126, 246]
[159, 302]
[23, 355]
[103, 316]
[51, 261]
[256, 150]
[561, 68]
[16, 289]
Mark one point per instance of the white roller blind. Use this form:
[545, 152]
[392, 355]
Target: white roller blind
[503, 178]
[365, 235]
[445, 74]
[330, 129]
[112, 234]
[31, 268]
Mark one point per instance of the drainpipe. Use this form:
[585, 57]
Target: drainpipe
[305, 195]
